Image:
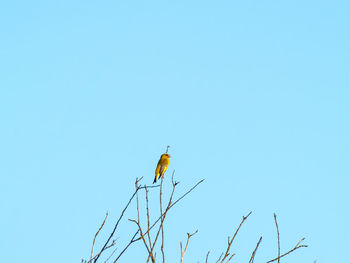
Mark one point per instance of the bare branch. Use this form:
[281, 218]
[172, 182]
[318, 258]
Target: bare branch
[230, 241]
[230, 258]
[220, 257]
[206, 258]
[134, 239]
[148, 224]
[278, 238]
[120, 217]
[162, 217]
[93, 243]
[189, 191]
[256, 248]
[111, 255]
[178, 200]
[127, 246]
[161, 212]
[107, 247]
[298, 245]
[188, 239]
[138, 223]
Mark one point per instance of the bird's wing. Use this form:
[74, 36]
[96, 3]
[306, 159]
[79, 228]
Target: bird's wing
[157, 169]
[161, 170]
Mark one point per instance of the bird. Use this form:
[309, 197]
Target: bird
[162, 165]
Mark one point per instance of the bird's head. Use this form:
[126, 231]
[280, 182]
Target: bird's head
[166, 155]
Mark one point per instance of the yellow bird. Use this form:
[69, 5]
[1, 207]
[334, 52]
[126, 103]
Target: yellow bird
[162, 166]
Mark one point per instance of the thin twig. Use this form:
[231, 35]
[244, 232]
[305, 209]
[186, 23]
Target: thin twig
[189, 191]
[120, 217]
[206, 258]
[93, 243]
[188, 239]
[127, 246]
[290, 251]
[229, 242]
[138, 223]
[174, 203]
[230, 258]
[220, 257]
[161, 212]
[107, 247]
[148, 224]
[278, 238]
[109, 257]
[164, 215]
[256, 248]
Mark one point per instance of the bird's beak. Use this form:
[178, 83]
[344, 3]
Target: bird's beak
[169, 155]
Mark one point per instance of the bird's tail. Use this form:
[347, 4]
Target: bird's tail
[155, 179]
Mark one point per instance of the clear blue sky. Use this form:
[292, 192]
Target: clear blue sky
[253, 96]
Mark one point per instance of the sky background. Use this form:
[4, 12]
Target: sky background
[252, 96]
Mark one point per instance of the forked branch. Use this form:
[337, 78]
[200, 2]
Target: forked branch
[119, 219]
[297, 246]
[188, 239]
[227, 254]
[160, 219]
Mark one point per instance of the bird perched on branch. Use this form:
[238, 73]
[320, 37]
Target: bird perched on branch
[162, 166]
